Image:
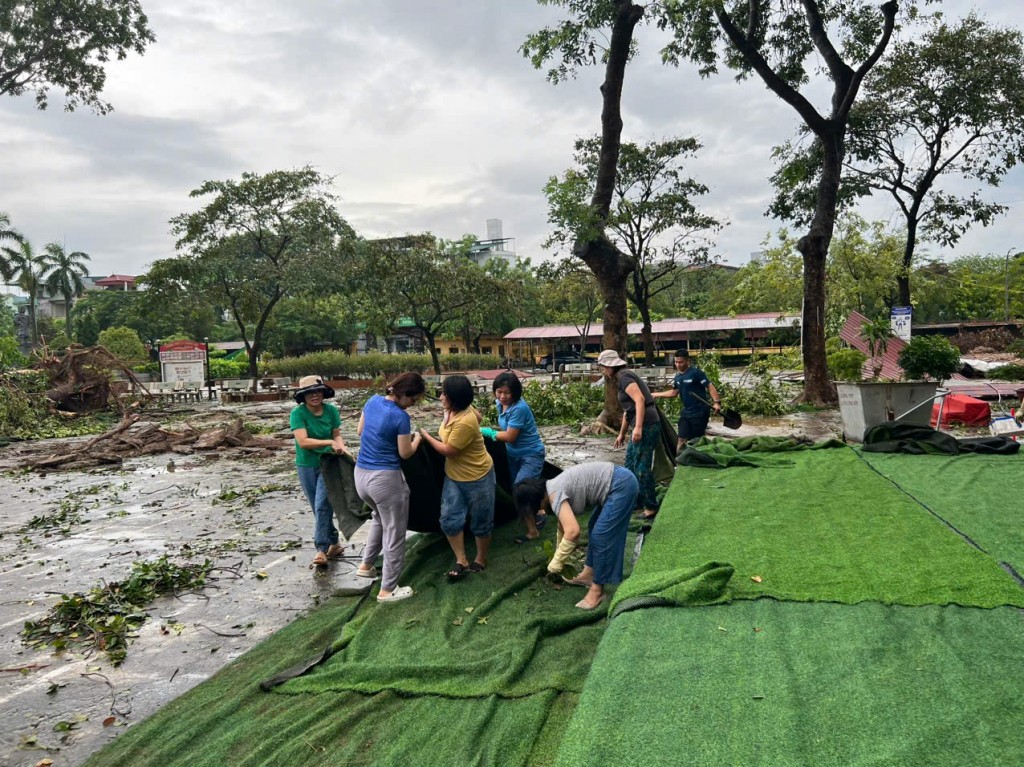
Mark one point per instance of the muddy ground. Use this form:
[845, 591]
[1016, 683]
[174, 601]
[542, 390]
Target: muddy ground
[66, 532]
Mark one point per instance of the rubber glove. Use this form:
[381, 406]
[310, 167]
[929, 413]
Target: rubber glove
[488, 432]
[562, 552]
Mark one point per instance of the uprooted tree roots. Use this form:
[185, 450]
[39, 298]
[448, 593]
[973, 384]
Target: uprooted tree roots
[81, 378]
[133, 437]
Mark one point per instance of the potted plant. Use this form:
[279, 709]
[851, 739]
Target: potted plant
[926, 362]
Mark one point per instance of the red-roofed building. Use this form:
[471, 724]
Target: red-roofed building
[116, 282]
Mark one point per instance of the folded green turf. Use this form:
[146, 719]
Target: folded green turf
[506, 631]
[827, 528]
[421, 681]
[979, 495]
[228, 720]
[784, 684]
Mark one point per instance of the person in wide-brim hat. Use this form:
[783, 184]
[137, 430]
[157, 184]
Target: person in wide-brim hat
[310, 384]
[640, 418]
[317, 428]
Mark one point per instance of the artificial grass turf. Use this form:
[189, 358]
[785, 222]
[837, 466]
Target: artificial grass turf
[429, 691]
[825, 528]
[768, 683]
[506, 631]
[979, 495]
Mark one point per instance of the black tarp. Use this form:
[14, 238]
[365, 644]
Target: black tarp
[424, 472]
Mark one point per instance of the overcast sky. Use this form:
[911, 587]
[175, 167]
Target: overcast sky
[425, 113]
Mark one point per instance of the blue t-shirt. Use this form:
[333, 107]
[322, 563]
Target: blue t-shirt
[383, 422]
[519, 416]
[689, 383]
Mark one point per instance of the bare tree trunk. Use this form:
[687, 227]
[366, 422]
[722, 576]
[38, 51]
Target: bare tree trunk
[609, 265]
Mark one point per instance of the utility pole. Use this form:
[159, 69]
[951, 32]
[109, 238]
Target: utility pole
[1006, 285]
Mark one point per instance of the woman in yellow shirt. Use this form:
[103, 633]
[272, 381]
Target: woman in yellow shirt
[469, 476]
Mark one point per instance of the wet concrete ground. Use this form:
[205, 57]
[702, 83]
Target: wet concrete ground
[246, 515]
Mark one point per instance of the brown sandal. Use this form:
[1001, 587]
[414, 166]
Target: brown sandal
[320, 559]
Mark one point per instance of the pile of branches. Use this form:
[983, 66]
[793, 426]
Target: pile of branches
[133, 437]
[81, 378]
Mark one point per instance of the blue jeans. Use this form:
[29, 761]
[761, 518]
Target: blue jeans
[473, 499]
[324, 532]
[609, 523]
[522, 467]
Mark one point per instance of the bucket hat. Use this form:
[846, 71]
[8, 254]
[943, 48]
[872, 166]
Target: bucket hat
[310, 384]
[610, 358]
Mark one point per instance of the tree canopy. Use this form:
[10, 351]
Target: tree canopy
[948, 105]
[259, 240]
[66, 44]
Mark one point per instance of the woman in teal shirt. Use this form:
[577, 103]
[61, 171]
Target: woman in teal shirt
[317, 428]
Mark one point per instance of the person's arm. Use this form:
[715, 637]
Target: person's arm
[408, 444]
[641, 406]
[567, 522]
[309, 443]
[359, 426]
[673, 392]
[716, 400]
[510, 435]
[443, 448]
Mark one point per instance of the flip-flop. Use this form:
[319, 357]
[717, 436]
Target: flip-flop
[524, 539]
[335, 550]
[592, 607]
[402, 592]
[371, 573]
[320, 560]
[577, 581]
[476, 567]
[458, 570]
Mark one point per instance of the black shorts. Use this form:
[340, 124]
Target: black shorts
[693, 426]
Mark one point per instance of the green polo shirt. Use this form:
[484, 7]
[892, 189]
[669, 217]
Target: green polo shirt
[317, 427]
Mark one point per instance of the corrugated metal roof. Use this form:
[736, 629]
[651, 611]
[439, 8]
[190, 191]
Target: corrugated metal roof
[889, 360]
[760, 321]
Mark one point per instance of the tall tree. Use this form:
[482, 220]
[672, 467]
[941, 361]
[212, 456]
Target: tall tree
[574, 43]
[653, 217]
[259, 239]
[66, 44]
[934, 109]
[8, 232]
[431, 283]
[63, 274]
[21, 265]
[775, 39]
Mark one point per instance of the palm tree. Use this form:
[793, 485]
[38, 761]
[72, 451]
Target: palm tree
[6, 233]
[63, 274]
[24, 267]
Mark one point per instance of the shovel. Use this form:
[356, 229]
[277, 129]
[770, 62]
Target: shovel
[730, 418]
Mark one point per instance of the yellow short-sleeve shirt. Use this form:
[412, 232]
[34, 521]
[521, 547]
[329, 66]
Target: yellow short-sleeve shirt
[473, 461]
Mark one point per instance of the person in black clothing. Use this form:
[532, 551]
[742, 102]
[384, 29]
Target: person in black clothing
[641, 420]
[697, 395]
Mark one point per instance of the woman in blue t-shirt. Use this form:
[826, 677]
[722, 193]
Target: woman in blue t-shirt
[385, 438]
[518, 430]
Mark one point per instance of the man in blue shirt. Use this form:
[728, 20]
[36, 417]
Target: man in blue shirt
[698, 395]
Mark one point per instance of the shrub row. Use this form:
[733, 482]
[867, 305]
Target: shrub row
[335, 364]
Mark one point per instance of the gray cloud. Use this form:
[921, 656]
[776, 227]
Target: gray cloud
[427, 115]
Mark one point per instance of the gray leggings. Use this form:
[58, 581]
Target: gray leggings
[387, 494]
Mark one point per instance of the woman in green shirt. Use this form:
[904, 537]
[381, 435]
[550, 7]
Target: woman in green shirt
[317, 428]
